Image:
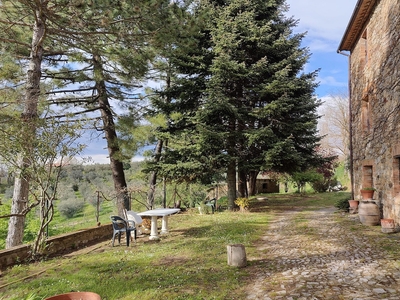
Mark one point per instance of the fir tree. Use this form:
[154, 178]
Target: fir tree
[260, 107]
[243, 98]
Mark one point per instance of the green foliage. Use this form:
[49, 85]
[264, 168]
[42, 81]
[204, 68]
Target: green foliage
[343, 203]
[222, 202]
[237, 93]
[243, 203]
[322, 184]
[325, 165]
[197, 195]
[205, 209]
[88, 193]
[32, 226]
[203, 250]
[185, 258]
[77, 218]
[342, 174]
[301, 178]
[5, 209]
[368, 188]
[8, 193]
[33, 296]
[70, 207]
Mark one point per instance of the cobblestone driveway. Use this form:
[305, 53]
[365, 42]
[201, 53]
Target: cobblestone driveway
[309, 255]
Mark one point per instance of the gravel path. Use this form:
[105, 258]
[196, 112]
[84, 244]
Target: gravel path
[307, 255]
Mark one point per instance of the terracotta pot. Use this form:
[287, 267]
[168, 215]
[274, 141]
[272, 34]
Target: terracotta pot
[76, 296]
[353, 203]
[353, 206]
[369, 213]
[367, 194]
[388, 226]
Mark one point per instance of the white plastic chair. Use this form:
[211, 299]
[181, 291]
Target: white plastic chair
[133, 219]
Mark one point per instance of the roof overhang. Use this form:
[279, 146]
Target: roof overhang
[356, 25]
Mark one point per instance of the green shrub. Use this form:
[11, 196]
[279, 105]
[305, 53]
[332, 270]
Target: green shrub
[322, 184]
[205, 209]
[69, 208]
[32, 225]
[342, 204]
[302, 178]
[4, 210]
[196, 196]
[8, 193]
[243, 203]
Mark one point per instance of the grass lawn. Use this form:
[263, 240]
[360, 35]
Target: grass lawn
[188, 263]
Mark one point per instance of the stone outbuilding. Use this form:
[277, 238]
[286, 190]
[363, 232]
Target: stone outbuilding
[372, 44]
[265, 184]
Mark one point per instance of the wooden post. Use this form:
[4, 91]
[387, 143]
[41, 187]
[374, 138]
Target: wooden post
[236, 255]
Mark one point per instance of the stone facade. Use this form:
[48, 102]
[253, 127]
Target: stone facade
[373, 39]
[264, 184]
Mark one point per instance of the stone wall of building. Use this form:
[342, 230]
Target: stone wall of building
[375, 107]
[267, 186]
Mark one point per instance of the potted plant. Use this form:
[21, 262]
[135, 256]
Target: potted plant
[353, 206]
[367, 192]
[388, 226]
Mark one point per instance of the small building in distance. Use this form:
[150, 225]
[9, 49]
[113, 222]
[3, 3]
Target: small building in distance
[264, 184]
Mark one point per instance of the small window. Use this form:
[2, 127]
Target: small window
[398, 170]
[396, 174]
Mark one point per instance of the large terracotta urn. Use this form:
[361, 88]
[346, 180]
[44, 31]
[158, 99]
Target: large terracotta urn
[369, 213]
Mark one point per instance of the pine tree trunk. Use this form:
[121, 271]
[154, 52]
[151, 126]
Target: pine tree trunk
[252, 183]
[242, 184]
[116, 165]
[153, 176]
[231, 169]
[16, 224]
[21, 183]
[231, 183]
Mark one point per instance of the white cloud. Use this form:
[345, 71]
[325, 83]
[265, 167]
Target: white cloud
[323, 20]
[320, 45]
[331, 81]
[102, 159]
[96, 159]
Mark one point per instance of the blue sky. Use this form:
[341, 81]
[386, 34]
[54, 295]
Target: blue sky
[325, 23]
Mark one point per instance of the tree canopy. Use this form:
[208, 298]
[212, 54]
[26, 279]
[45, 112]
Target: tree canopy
[249, 106]
[233, 97]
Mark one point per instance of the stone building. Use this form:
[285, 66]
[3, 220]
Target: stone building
[264, 184]
[372, 44]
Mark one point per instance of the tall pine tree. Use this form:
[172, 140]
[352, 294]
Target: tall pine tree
[259, 107]
[243, 100]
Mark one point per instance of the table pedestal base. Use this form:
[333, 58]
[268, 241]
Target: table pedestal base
[154, 232]
[164, 225]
